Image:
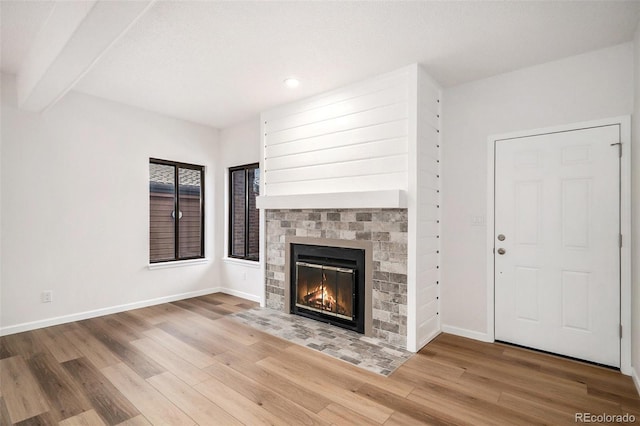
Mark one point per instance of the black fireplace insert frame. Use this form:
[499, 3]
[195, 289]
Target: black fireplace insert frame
[335, 257]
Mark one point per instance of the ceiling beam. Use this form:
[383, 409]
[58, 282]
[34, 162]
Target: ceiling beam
[72, 40]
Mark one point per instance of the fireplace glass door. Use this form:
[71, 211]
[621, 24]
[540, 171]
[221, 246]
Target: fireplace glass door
[325, 289]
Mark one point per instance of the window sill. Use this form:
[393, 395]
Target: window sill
[178, 263]
[242, 262]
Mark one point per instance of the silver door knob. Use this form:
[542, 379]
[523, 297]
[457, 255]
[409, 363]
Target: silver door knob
[501, 251]
[501, 237]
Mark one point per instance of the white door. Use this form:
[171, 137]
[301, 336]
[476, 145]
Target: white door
[557, 255]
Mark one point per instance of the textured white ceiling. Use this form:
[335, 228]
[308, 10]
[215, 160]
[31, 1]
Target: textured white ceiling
[219, 63]
[20, 22]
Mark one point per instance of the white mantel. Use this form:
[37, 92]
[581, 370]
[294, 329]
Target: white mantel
[392, 199]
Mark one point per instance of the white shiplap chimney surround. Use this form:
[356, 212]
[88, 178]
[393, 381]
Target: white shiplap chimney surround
[369, 150]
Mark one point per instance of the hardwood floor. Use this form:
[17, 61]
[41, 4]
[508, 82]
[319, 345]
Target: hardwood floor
[186, 363]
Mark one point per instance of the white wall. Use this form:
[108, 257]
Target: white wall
[635, 216]
[239, 145]
[75, 211]
[590, 86]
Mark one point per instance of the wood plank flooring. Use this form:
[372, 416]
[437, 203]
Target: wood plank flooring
[187, 363]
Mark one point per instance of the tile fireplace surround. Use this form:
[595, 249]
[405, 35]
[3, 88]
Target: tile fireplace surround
[386, 229]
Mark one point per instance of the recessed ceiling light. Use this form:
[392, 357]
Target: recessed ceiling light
[291, 82]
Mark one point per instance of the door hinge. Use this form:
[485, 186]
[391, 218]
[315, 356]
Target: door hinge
[621, 331]
[619, 148]
[620, 240]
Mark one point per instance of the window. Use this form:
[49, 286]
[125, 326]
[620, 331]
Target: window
[175, 236]
[244, 217]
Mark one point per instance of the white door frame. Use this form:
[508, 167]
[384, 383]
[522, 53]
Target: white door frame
[625, 224]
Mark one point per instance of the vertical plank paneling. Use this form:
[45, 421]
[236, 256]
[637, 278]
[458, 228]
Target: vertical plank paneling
[427, 210]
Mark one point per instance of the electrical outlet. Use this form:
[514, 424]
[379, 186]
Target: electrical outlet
[47, 296]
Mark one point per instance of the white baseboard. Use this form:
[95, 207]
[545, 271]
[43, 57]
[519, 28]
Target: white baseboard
[241, 294]
[636, 379]
[33, 325]
[470, 334]
[427, 339]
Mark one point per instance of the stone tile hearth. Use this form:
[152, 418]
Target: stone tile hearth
[365, 352]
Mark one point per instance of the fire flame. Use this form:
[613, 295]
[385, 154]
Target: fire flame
[322, 297]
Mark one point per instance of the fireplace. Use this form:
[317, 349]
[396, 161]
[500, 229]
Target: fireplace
[328, 284]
